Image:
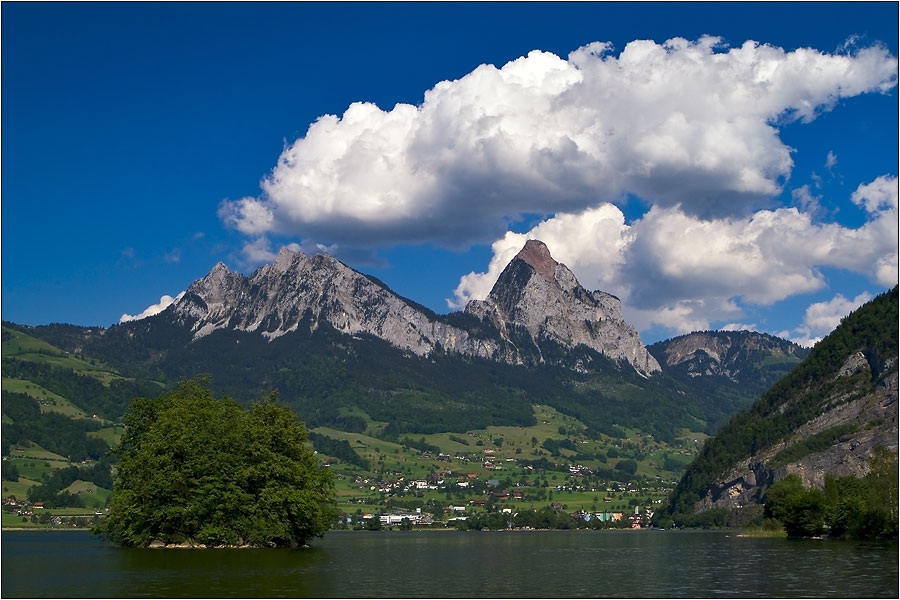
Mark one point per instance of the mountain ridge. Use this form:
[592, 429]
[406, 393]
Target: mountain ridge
[534, 294]
[314, 329]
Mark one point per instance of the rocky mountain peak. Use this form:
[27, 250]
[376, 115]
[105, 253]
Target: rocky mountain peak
[541, 295]
[536, 254]
[286, 258]
[534, 293]
[217, 285]
[219, 272]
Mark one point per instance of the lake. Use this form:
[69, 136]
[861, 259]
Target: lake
[447, 564]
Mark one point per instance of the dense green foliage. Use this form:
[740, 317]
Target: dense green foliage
[847, 507]
[543, 518]
[755, 360]
[796, 398]
[52, 431]
[627, 466]
[553, 445]
[812, 444]
[85, 391]
[319, 373]
[675, 463]
[421, 445]
[10, 471]
[194, 468]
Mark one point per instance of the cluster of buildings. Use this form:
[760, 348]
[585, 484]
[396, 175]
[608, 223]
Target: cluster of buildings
[23, 508]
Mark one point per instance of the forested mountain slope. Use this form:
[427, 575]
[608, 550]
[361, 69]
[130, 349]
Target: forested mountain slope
[824, 417]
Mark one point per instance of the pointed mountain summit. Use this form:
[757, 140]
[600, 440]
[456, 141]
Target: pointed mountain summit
[536, 300]
[541, 295]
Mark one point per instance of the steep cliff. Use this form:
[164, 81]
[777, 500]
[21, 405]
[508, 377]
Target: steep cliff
[535, 295]
[277, 297]
[542, 296]
[824, 417]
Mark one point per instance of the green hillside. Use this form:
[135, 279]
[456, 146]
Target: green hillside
[602, 438]
[821, 383]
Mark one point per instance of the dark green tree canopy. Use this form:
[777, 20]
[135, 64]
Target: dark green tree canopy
[194, 468]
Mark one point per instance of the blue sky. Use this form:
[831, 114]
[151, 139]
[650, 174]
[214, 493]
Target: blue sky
[138, 140]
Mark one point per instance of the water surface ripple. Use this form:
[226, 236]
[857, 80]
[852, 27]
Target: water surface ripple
[449, 564]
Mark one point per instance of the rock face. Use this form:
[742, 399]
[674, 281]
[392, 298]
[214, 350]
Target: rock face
[542, 296]
[276, 298]
[825, 417]
[534, 293]
[875, 417]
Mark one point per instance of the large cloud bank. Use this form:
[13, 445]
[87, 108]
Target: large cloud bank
[689, 123]
[689, 127]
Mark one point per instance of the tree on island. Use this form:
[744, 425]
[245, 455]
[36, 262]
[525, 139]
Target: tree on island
[194, 468]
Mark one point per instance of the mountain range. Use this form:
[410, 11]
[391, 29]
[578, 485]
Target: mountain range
[335, 342]
[348, 354]
[535, 301]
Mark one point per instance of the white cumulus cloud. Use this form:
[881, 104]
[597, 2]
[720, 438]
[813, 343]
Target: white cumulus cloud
[683, 272]
[689, 123]
[877, 196]
[153, 309]
[822, 317]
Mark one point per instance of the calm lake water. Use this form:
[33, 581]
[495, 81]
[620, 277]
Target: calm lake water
[570, 564]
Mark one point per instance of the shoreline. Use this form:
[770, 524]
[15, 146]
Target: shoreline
[45, 529]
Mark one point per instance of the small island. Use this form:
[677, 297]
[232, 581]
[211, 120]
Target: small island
[199, 471]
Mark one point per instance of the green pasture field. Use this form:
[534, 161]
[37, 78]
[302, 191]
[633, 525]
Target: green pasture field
[36, 468]
[66, 362]
[34, 451]
[24, 347]
[390, 461]
[110, 435]
[16, 343]
[19, 488]
[92, 495]
[14, 520]
[50, 402]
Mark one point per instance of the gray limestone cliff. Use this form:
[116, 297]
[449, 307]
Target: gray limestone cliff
[744, 357]
[534, 292]
[873, 421]
[276, 298]
[542, 296]
[827, 416]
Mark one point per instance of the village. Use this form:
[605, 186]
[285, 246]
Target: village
[489, 479]
[465, 499]
[31, 514]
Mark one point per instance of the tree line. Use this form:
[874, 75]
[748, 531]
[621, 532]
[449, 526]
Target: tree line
[52, 431]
